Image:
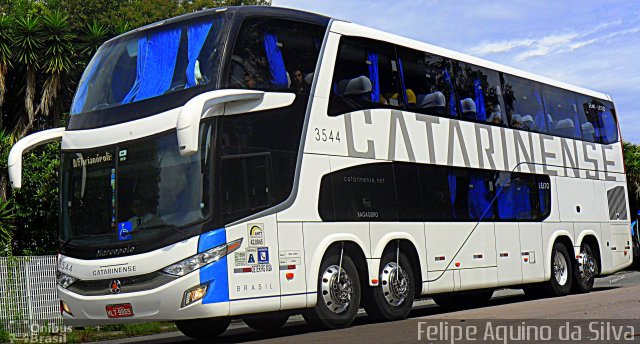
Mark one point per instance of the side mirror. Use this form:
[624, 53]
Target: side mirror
[26, 144]
[222, 102]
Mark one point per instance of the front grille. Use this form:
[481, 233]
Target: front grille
[127, 284]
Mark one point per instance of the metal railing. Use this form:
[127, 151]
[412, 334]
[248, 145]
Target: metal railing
[28, 294]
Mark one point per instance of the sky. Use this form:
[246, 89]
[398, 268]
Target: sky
[593, 44]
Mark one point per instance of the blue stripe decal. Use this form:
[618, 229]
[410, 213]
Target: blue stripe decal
[212, 239]
[214, 274]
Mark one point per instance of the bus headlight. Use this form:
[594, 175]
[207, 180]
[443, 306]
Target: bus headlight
[65, 280]
[199, 260]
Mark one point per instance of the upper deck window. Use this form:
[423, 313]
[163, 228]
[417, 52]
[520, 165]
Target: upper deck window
[275, 55]
[151, 63]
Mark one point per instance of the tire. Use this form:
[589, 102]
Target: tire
[463, 300]
[585, 269]
[392, 299]
[338, 309]
[561, 275]
[267, 322]
[203, 329]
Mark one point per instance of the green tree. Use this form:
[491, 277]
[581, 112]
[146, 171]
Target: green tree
[6, 23]
[28, 42]
[57, 62]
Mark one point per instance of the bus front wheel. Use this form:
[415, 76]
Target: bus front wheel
[201, 329]
[393, 298]
[338, 293]
[561, 275]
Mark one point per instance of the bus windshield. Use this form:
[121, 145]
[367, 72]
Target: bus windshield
[150, 63]
[141, 193]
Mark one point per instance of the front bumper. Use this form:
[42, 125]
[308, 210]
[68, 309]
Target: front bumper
[159, 304]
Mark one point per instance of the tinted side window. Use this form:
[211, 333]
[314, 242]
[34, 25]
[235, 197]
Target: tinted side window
[517, 199]
[562, 110]
[427, 83]
[275, 55]
[364, 77]
[364, 193]
[523, 103]
[434, 188]
[543, 185]
[471, 193]
[599, 122]
[410, 200]
[480, 94]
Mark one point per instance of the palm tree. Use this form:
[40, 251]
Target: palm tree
[28, 38]
[94, 35]
[57, 61]
[6, 27]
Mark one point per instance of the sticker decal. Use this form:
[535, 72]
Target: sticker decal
[240, 258]
[263, 255]
[251, 256]
[124, 231]
[254, 269]
[256, 234]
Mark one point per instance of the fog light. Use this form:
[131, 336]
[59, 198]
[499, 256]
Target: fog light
[64, 308]
[194, 294]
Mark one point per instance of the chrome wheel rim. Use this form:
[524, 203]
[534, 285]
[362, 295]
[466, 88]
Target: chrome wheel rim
[336, 289]
[587, 265]
[395, 284]
[560, 269]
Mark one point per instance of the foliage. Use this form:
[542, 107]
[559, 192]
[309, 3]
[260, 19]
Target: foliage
[632, 164]
[36, 203]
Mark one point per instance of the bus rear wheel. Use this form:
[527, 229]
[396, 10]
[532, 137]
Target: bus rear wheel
[266, 321]
[202, 329]
[338, 294]
[585, 270]
[393, 298]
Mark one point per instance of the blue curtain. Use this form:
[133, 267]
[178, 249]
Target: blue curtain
[609, 127]
[404, 88]
[514, 202]
[156, 63]
[196, 35]
[452, 193]
[542, 199]
[541, 117]
[374, 76]
[479, 98]
[81, 95]
[276, 61]
[453, 111]
[479, 198]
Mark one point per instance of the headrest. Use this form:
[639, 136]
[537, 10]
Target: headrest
[355, 86]
[308, 78]
[587, 128]
[494, 115]
[527, 118]
[435, 99]
[516, 118]
[411, 97]
[468, 105]
[565, 123]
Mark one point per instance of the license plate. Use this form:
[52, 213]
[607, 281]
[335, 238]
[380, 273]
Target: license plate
[119, 311]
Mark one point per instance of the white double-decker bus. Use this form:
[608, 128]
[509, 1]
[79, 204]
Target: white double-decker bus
[257, 162]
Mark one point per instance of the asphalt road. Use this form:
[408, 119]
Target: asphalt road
[606, 314]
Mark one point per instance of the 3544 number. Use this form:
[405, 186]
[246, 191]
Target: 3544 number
[325, 135]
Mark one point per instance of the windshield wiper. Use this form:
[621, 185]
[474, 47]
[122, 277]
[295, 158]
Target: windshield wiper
[84, 236]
